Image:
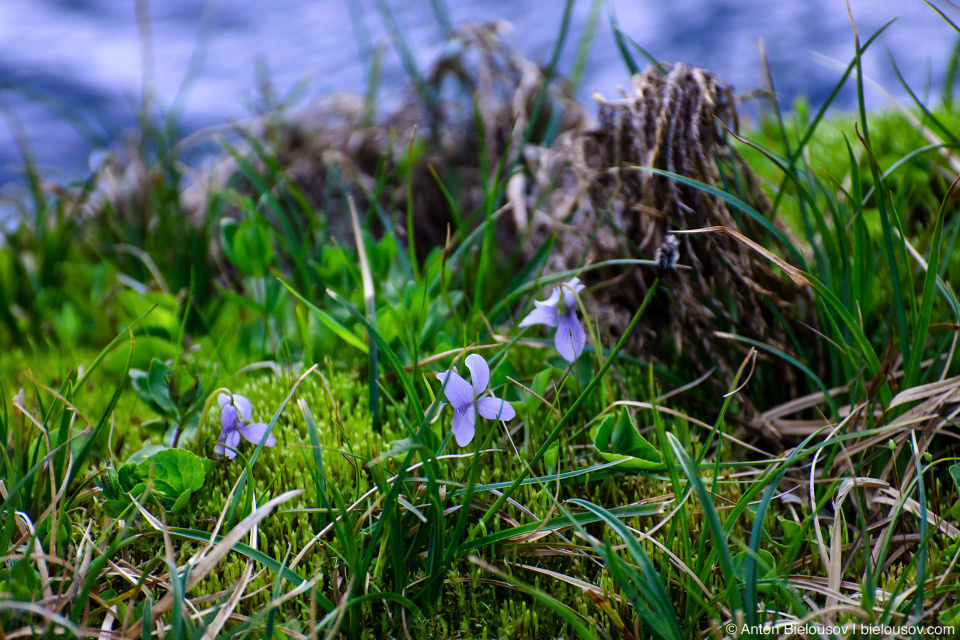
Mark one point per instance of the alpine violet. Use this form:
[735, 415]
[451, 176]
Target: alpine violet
[235, 410]
[468, 400]
[560, 311]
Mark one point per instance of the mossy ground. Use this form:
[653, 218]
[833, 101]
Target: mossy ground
[471, 598]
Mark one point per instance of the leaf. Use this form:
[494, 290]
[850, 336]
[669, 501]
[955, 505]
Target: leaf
[539, 387]
[252, 249]
[186, 389]
[119, 503]
[540, 382]
[188, 432]
[228, 229]
[162, 320]
[397, 449]
[146, 452]
[153, 387]
[618, 439]
[175, 473]
[791, 530]
[955, 511]
[951, 616]
[181, 503]
[158, 385]
[765, 560]
[550, 457]
[128, 476]
[955, 474]
[148, 346]
[110, 482]
[328, 320]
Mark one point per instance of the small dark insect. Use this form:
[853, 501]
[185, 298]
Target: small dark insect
[667, 255]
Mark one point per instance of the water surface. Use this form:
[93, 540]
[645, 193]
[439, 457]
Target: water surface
[64, 62]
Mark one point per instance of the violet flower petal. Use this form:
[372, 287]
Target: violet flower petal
[545, 312]
[229, 418]
[495, 409]
[232, 440]
[254, 431]
[552, 301]
[458, 391]
[464, 421]
[570, 337]
[479, 373]
[569, 289]
[223, 400]
[244, 406]
[541, 315]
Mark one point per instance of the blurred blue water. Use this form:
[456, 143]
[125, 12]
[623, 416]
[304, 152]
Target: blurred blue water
[65, 62]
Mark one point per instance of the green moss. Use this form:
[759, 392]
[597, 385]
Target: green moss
[471, 598]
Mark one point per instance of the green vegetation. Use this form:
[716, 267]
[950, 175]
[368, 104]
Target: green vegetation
[629, 497]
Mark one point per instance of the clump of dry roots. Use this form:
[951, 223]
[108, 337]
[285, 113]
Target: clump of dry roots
[482, 91]
[602, 205]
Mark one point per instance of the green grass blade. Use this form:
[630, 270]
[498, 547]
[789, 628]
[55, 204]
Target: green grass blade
[388, 353]
[558, 522]
[738, 204]
[583, 49]
[621, 39]
[659, 612]
[342, 332]
[572, 617]
[912, 371]
[710, 514]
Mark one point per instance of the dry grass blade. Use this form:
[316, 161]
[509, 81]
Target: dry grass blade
[681, 565]
[221, 549]
[149, 517]
[835, 565]
[891, 496]
[795, 274]
[341, 611]
[56, 394]
[370, 493]
[828, 613]
[452, 352]
[43, 612]
[686, 387]
[925, 391]
[774, 418]
[821, 547]
[106, 628]
[536, 395]
[39, 554]
[583, 585]
[221, 618]
[216, 529]
[752, 360]
[365, 275]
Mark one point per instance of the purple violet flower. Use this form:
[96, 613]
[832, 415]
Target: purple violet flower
[562, 314]
[468, 400]
[235, 410]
